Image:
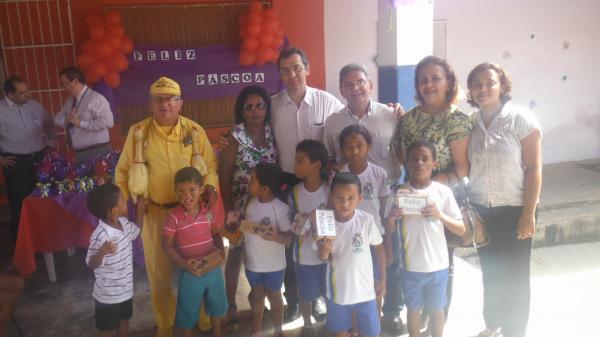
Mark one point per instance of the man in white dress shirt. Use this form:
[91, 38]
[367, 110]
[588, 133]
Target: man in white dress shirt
[86, 116]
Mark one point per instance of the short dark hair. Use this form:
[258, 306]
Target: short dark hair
[351, 67]
[357, 129]
[102, 199]
[505, 81]
[452, 93]
[10, 85]
[188, 174]
[243, 96]
[315, 151]
[269, 175]
[73, 73]
[289, 51]
[422, 143]
[346, 178]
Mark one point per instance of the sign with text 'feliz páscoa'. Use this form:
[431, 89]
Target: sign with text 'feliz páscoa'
[325, 223]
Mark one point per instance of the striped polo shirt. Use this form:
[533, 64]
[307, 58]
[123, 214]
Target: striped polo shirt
[114, 277]
[193, 235]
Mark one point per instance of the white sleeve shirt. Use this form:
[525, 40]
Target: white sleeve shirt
[22, 127]
[304, 249]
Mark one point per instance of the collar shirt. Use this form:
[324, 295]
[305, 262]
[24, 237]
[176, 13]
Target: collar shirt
[292, 124]
[22, 127]
[497, 173]
[380, 120]
[95, 115]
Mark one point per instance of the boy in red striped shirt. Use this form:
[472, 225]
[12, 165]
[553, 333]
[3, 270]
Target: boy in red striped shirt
[191, 240]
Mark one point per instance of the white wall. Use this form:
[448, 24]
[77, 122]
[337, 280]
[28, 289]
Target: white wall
[350, 36]
[569, 110]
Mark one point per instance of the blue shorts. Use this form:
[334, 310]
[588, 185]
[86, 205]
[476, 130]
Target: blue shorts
[270, 280]
[310, 280]
[339, 317]
[425, 289]
[195, 290]
[376, 271]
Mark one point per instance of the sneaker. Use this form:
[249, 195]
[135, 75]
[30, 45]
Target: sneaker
[393, 325]
[292, 313]
[319, 309]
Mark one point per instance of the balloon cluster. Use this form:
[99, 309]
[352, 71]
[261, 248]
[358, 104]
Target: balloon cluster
[58, 174]
[104, 55]
[261, 35]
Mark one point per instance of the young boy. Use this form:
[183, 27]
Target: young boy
[425, 271]
[191, 240]
[350, 270]
[109, 255]
[310, 194]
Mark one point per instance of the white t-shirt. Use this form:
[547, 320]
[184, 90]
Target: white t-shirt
[292, 124]
[305, 251]
[374, 186]
[350, 271]
[263, 256]
[424, 240]
[114, 277]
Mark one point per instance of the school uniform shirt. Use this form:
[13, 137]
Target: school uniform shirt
[262, 256]
[303, 201]
[193, 235]
[350, 271]
[114, 276]
[424, 241]
[293, 124]
[374, 186]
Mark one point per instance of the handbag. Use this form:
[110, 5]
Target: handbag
[476, 235]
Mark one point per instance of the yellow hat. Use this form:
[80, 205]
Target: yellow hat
[165, 86]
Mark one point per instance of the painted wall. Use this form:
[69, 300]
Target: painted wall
[551, 51]
[350, 36]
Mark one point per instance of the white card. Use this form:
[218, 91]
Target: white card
[325, 223]
[411, 203]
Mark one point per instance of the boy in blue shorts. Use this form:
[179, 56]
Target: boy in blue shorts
[425, 271]
[350, 270]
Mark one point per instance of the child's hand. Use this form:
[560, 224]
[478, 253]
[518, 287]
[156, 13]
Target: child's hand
[431, 211]
[268, 233]
[108, 247]
[141, 210]
[395, 214]
[380, 288]
[232, 222]
[325, 247]
[193, 266]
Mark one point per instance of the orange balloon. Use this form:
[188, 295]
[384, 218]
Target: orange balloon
[275, 56]
[243, 33]
[97, 70]
[88, 46]
[243, 20]
[115, 30]
[113, 41]
[247, 58]
[271, 25]
[113, 79]
[253, 29]
[278, 42]
[84, 60]
[280, 32]
[269, 14]
[250, 43]
[126, 45]
[256, 7]
[90, 79]
[93, 20]
[113, 17]
[103, 49]
[122, 63]
[97, 32]
[254, 18]
[263, 54]
[266, 39]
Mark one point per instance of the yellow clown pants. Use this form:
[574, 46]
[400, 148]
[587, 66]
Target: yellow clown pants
[159, 268]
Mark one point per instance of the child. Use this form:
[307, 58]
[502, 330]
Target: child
[312, 193]
[109, 255]
[350, 269]
[265, 254]
[426, 256]
[356, 141]
[190, 236]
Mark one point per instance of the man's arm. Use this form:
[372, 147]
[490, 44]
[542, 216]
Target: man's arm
[59, 119]
[122, 169]
[208, 154]
[49, 128]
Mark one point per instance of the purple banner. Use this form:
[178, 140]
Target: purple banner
[208, 72]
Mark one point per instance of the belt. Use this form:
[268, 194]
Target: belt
[93, 147]
[21, 155]
[167, 206]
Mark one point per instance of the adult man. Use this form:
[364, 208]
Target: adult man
[168, 148]
[86, 116]
[23, 122]
[380, 120]
[299, 112]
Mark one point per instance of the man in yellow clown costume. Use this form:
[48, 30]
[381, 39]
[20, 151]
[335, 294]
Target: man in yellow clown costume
[167, 147]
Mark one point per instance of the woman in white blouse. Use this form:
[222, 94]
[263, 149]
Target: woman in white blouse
[505, 180]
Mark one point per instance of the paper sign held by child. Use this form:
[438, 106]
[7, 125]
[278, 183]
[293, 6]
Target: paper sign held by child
[255, 228]
[411, 202]
[209, 261]
[325, 224]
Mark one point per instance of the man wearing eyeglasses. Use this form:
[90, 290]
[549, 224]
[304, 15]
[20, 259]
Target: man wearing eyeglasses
[23, 122]
[167, 148]
[86, 117]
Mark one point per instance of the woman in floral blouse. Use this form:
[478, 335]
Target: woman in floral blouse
[438, 120]
[250, 141]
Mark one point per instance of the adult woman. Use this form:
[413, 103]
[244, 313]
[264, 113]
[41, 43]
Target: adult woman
[250, 141]
[505, 182]
[438, 120]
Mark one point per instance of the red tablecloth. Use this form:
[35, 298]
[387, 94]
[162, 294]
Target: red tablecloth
[47, 226]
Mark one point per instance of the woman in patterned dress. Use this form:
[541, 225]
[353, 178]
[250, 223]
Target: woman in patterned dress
[436, 118]
[250, 141]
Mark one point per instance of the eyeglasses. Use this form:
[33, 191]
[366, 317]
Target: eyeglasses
[296, 68]
[160, 100]
[352, 84]
[259, 106]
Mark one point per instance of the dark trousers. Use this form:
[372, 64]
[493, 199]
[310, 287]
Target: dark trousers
[393, 301]
[289, 280]
[20, 182]
[505, 267]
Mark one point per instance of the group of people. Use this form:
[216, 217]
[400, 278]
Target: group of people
[302, 150]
